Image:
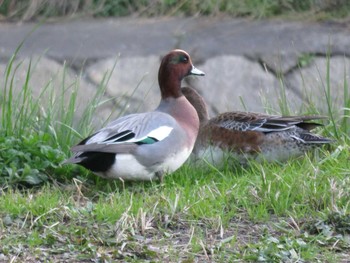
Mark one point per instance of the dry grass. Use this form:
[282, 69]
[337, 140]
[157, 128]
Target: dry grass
[76, 223]
[31, 9]
[26, 10]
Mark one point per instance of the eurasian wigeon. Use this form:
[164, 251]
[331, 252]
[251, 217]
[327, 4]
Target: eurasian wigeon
[146, 146]
[245, 135]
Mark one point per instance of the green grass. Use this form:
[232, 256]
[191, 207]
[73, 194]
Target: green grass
[28, 10]
[37, 131]
[297, 211]
[247, 216]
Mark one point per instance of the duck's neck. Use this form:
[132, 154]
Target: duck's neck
[170, 84]
[198, 103]
[203, 115]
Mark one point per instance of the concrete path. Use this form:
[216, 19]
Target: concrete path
[253, 61]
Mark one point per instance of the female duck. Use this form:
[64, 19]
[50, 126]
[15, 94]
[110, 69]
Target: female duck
[252, 135]
[145, 146]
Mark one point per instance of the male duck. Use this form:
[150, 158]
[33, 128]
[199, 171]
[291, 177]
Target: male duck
[145, 146]
[254, 135]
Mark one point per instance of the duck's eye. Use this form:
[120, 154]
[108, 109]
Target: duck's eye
[184, 59]
[178, 59]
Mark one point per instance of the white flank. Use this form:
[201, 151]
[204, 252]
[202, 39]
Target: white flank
[128, 168]
[218, 157]
[172, 163]
[212, 154]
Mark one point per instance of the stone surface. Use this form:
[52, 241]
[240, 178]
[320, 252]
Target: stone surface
[81, 40]
[230, 80]
[47, 75]
[280, 63]
[311, 82]
[133, 82]
[241, 59]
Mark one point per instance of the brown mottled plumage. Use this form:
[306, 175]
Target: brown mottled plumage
[247, 134]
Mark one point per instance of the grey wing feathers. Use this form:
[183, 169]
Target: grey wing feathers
[130, 123]
[120, 135]
[106, 148]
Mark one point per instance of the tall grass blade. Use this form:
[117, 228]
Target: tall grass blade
[346, 101]
[20, 120]
[327, 92]
[7, 102]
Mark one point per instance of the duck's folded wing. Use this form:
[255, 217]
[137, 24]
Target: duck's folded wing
[243, 121]
[127, 133]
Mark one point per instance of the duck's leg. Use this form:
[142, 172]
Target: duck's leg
[160, 176]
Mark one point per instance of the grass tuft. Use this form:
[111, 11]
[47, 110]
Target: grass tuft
[37, 130]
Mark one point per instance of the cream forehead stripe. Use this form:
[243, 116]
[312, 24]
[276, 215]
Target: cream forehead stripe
[180, 50]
